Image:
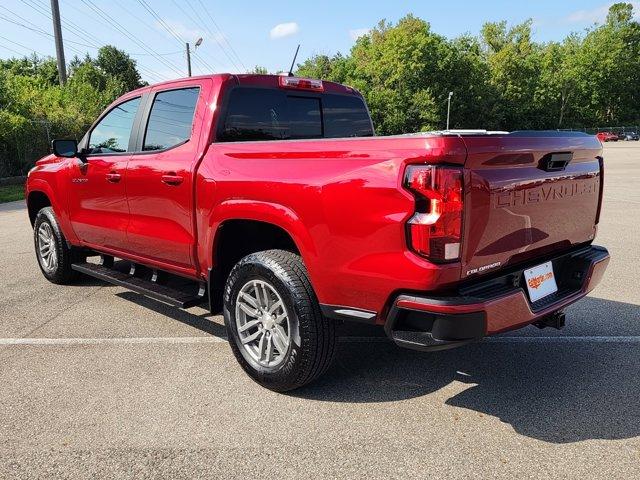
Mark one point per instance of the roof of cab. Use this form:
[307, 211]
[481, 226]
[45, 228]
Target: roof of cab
[247, 79]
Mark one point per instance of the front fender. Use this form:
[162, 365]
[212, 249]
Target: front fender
[57, 204]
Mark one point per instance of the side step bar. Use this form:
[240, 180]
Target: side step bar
[144, 287]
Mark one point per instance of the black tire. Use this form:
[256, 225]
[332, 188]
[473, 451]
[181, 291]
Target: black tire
[62, 273]
[312, 337]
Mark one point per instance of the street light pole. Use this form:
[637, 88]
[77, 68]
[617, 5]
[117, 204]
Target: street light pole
[449, 108]
[197, 44]
[188, 60]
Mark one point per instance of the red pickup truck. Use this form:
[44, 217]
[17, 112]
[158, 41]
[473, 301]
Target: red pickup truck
[271, 198]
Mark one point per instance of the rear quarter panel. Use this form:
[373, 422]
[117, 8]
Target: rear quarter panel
[340, 200]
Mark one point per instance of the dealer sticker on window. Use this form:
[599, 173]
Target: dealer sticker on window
[540, 281]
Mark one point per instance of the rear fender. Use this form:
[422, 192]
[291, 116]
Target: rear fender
[273, 213]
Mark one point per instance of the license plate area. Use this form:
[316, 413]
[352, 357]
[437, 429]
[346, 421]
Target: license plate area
[541, 281]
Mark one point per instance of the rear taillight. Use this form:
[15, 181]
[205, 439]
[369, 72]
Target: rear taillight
[301, 83]
[601, 190]
[435, 229]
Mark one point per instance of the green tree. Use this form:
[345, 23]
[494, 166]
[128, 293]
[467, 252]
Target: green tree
[406, 72]
[118, 64]
[258, 70]
[514, 63]
[34, 108]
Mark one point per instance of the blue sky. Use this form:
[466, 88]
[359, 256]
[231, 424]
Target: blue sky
[243, 34]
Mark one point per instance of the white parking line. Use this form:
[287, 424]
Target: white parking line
[195, 340]
[108, 341]
[567, 339]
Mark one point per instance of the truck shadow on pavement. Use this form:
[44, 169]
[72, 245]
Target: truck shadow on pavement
[201, 322]
[558, 392]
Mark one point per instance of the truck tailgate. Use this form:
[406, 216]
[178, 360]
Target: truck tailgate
[520, 204]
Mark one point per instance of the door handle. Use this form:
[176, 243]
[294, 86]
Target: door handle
[113, 177]
[172, 179]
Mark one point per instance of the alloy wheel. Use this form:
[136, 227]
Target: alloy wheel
[263, 323]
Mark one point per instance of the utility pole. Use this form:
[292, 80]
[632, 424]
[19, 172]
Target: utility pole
[449, 108]
[188, 59]
[57, 33]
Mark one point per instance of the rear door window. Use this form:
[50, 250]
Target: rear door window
[171, 118]
[270, 114]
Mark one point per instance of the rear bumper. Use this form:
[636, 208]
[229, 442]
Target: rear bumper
[491, 306]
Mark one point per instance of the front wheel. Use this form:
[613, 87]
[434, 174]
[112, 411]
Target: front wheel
[274, 323]
[54, 255]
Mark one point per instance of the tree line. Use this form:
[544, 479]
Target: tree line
[500, 79]
[35, 108]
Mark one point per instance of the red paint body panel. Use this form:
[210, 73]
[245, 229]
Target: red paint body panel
[97, 200]
[516, 211]
[341, 201]
[160, 193]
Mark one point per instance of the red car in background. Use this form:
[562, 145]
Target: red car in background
[607, 137]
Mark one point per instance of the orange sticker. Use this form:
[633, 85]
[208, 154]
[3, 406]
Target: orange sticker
[535, 282]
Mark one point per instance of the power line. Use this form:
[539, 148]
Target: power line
[36, 30]
[125, 32]
[71, 27]
[146, 24]
[213, 36]
[140, 20]
[13, 51]
[203, 62]
[197, 22]
[163, 24]
[163, 54]
[78, 52]
[224, 37]
[168, 28]
[151, 72]
[23, 46]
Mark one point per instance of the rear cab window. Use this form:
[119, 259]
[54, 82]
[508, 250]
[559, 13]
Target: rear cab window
[254, 113]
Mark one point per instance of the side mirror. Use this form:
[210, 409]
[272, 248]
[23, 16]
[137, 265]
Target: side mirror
[65, 148]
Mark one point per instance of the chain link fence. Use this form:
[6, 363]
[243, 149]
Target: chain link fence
[21, 148]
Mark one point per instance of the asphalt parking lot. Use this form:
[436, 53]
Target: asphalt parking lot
[100, 382]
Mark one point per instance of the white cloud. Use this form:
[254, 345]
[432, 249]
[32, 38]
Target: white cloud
[284, 30]
[597, 15]
[358, 32]
[589, 16]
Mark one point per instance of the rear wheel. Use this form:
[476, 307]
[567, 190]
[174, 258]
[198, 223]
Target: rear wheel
[274, 323]
[52, 251]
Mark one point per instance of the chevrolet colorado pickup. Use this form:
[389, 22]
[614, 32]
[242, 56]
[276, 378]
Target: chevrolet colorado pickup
[273, 200]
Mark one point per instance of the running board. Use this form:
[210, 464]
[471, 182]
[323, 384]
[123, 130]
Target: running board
[144, 287]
